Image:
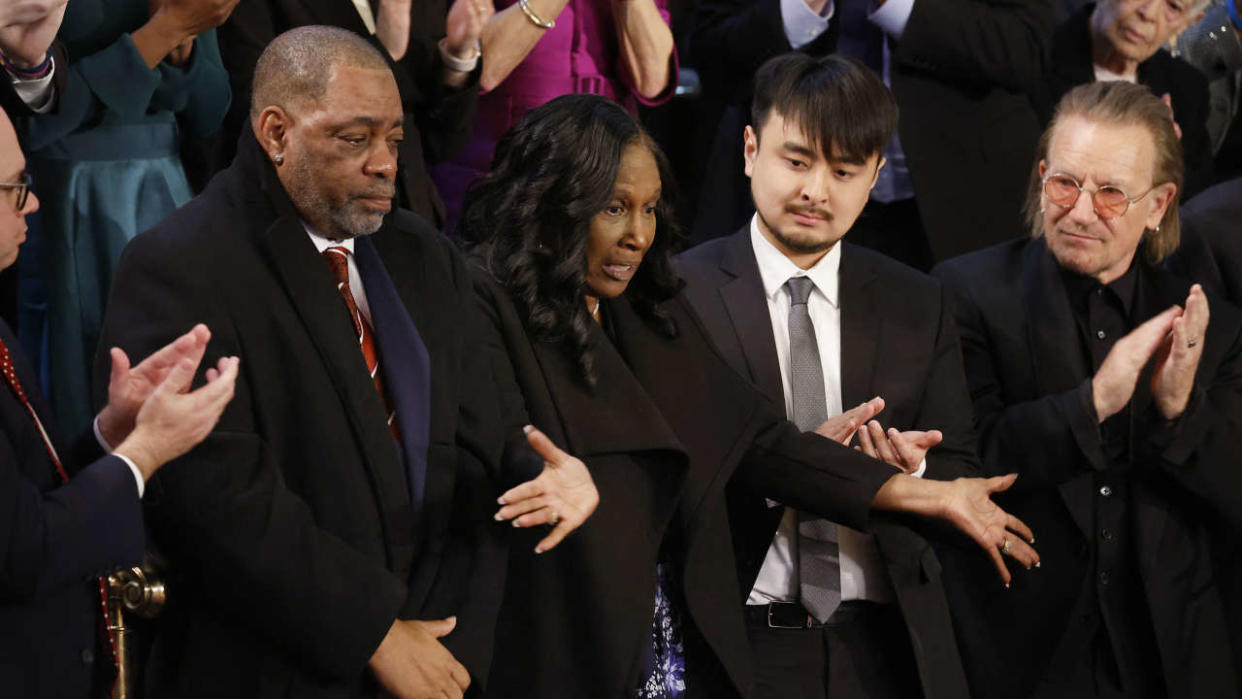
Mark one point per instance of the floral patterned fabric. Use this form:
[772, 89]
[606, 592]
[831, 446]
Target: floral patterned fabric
[664, 663]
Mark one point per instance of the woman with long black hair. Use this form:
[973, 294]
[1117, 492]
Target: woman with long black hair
[574, 234]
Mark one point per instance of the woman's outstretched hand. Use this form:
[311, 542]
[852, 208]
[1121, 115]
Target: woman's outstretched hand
[562, 496]
[966, 503]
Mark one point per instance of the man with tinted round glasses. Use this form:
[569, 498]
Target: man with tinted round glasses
[1099, 378]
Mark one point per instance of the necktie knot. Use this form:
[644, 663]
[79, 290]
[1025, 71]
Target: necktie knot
[338, 261]
[799, 290]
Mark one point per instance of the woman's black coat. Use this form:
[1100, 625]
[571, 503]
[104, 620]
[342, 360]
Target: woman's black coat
[667, 425]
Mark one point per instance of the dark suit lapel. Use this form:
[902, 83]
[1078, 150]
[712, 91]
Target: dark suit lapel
[313, 294]
[617, 415]
[860, 329]
[747, 306]
[1057, 360]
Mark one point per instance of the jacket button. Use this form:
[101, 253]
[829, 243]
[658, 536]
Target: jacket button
[1106, 535]
[88, 655]
[1106, 491]
[1105, 578]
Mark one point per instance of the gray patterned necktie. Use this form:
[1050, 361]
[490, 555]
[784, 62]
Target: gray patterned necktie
[819, 565]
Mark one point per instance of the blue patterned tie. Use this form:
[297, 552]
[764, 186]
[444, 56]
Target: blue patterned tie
[819, 565]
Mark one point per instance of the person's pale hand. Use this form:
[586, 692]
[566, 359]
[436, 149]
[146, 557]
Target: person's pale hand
[129, 388]
[967, 504]
[1114, 382]
[1178, 359]
[411, 663]
[841, 428]
[173, 419]
[180, 55]
[905, 450]
[563, 495]
[189, 18]
[27, 29]
[464, 26]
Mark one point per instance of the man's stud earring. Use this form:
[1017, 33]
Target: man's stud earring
[279, 158]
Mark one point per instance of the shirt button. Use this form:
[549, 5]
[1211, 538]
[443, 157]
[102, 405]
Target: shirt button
[1105, 578]
[1106, 535]
[1106, 491]
[1100, 334]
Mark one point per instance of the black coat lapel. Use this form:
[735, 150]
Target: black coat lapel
[615, 416]
[860, 329]
[1057, 361]
[747, 306]
[314, 296]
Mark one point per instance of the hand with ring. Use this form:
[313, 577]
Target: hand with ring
[563, 496]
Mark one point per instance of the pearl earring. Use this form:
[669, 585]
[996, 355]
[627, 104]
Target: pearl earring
[279, 158]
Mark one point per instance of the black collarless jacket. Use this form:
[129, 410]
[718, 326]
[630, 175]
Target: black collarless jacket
[1072, 65]
[1027, 378]
[291, 529]
[898, 341]
[666, 427]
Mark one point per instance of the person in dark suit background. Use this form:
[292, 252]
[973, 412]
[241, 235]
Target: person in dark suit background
[604, 353]
[336, 536]
[881, 329]
[1210, 250]
[434, 47]
[72, 515]
[1122, 40]
[1098, 376]
[962, 72]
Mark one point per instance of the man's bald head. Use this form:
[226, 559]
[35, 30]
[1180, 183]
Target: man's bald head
[297, 65]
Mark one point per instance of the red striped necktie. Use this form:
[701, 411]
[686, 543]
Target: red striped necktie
[10, 378]
[338, 262]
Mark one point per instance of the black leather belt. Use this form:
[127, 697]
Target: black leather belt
[791, 615]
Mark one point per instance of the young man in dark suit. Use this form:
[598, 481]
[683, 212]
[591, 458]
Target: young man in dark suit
[338, 538]
[880, 338]
[71, 516]
[1099, 378]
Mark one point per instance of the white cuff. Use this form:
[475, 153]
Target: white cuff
[802, 24]
[133, 468]
[460, 65]
[918, 473]
[38, 94]
[892, 17]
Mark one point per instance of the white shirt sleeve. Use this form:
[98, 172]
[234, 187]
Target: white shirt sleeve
[892, 16]
[133, 468]
[921, 469]
[38, 94]
[802, 24]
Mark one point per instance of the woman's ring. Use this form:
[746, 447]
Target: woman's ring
[1008, 545]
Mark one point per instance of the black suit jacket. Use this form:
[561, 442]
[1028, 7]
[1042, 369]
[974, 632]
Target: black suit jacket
[1210, 251]
[58, 539]
[667, 425]
[1029, 381]
[1186, 86]
[898, 341]
[292, 532]
[961, 74]
[438, 120]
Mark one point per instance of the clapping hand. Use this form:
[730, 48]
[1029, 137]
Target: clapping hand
[1177, 360]
[562, 496]
[27, 28]
[905, 450]
[841, 428]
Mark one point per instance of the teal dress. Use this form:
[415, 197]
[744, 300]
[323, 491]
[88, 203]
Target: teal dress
[105, 167]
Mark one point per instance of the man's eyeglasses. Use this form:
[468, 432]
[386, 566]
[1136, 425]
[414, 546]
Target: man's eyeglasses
[1108, 201]
[23, 191]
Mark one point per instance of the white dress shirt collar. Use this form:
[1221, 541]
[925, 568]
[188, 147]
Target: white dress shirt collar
[775, 269]
[322, 243]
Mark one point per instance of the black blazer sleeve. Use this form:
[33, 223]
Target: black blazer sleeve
[980, 43]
